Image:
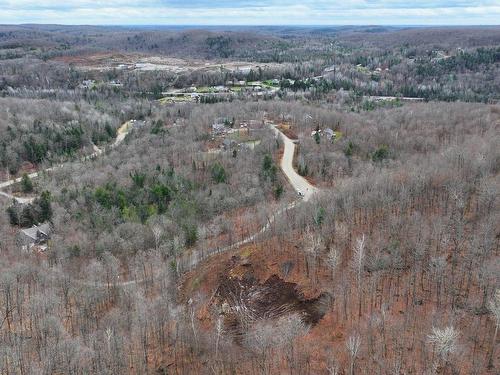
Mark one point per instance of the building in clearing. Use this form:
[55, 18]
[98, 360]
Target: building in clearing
[329, 133]
[35, 237]
[229, 144]
[218, 128]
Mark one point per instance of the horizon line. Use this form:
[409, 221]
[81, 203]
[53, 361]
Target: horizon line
[251, 25]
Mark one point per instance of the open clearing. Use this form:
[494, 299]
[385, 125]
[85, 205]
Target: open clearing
[140, 62]
[245, 301]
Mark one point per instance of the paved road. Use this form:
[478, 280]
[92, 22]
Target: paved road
[190, 260]
[121, 134]
[299, 183]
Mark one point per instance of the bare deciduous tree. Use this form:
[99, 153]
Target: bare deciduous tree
[333, 260]
[353, 344]
[218, 329]
[314, 245]
[494, 307]
[157, 231]
[357, 265]
[444, 341]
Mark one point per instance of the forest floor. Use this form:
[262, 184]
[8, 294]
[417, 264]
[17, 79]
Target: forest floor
[258, 284]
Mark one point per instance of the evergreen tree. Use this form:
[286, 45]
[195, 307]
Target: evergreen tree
[26, 184]
[44, 208]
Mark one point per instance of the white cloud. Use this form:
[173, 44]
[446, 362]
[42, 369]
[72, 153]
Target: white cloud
[249, 12]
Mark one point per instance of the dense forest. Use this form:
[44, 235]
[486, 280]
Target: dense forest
[272, 200]
[35, 131]
[439, 64]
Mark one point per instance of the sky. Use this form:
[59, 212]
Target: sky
[252, 12]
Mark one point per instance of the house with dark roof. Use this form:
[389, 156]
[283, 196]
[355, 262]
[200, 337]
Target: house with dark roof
[229, 144]
[36, 236]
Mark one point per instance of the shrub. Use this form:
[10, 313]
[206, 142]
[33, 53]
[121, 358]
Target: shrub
[278, 191]
[219, 173]
[190, 234]
[26, 184]
[380, 154]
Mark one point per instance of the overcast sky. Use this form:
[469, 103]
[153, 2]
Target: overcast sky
[253, 12]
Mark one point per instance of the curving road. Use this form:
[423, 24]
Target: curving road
[299, 183]
[121, 134]
[189, 260]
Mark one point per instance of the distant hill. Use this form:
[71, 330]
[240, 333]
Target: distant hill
[263, 43]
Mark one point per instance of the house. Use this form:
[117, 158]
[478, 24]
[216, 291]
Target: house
[236, 83]
[36, 236]
[87, 84]
[229, 144]
[115, 83]
[331, 68]
[218, 128]
[329, 133]
[240, 131]
[255, 124]
[137, 124]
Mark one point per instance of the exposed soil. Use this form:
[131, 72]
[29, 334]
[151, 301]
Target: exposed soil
[138, 61]
[288, 130]
[100, 59]
[243, 300]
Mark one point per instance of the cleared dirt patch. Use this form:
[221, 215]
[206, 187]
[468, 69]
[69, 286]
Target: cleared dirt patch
[288, 130]
[243, 300]
[103, 61]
